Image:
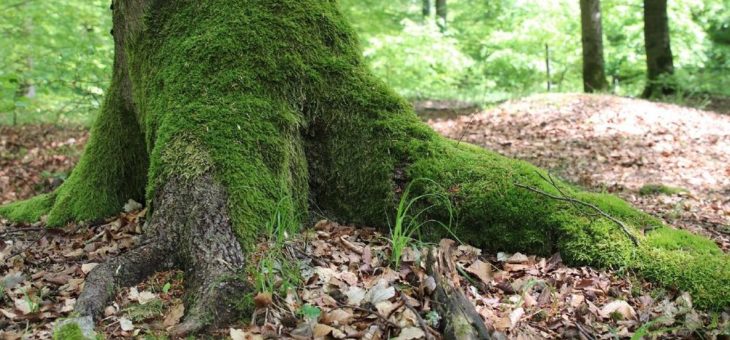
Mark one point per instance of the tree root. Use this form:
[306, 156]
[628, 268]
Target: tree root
[122, 271]
[190, 230]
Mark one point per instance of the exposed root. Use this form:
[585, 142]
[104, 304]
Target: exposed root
[191, 230]
[122, 271]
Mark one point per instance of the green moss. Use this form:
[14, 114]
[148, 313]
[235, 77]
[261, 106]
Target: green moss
[655, 189]
[70, 331]
[30, 210]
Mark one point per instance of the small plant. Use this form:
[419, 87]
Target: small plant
[166, 288]
[32, 301]
[275, 271]
[407, 224]
[310, 313]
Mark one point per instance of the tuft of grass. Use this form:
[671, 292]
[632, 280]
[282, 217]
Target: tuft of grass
[408, 223]
[275, 271]
[656, 189]
[140, 312]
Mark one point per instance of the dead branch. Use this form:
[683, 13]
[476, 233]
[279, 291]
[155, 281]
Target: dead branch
[576, 202]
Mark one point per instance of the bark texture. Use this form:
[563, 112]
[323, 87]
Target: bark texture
[229, 112]
[441, 14]
[659, 60]
[594, 70]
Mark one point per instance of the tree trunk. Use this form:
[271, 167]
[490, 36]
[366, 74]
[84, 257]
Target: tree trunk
[228, 112]
[659, 61]
[426, 9]
[594, 74]
[441, 14]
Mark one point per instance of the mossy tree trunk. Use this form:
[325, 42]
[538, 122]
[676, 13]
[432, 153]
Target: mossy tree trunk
[227, 112]
[594, 70]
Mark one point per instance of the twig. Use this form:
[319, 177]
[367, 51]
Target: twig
[20, 230]
[576, 202]
[20, 251]
[372, 312]
[427, 330]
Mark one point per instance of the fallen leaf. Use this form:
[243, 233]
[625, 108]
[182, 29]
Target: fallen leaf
[145, 297]
[321, 330]
[618, 306]
[482, 270]
[355, 295]
[126, 324]
[23, 305]
[87, 267]
[517, 258]
[380, 292]
[515, 316]
[174, 315]
[410, 333]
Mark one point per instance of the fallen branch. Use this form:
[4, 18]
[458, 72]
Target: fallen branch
[461, 319]
[427, 330]
[576, 202]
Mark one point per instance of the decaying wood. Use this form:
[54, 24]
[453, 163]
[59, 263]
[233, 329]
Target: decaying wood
[461, 320]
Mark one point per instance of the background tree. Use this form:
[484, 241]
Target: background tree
[659, 59]
[426, 8]
[594, 74]
[441, 14]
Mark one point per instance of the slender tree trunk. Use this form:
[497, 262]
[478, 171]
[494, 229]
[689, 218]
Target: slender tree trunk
[659, 60]
[594, 74]
[227, 113]
[441, 14]
[426, 9]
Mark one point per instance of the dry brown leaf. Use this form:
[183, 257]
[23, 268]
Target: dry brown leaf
[174, 315]
[410, 333]
[618, 306]
[482, 270]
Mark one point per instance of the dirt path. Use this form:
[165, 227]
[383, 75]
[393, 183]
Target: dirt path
[620, 145]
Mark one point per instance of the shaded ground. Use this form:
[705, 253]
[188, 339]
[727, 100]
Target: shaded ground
[347, 287]
[620, 145]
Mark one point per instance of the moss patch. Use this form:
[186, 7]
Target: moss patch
[656, 189]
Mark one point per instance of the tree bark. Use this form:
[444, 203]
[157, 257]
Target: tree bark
[226, 113]
[594, 74]
[441, 14]
[659, 60]
[426, 9]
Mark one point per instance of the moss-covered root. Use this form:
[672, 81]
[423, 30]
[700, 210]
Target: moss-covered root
[496, 213]
[111, 171]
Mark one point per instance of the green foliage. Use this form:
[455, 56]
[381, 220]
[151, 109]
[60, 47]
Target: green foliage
[496, 49]
[55, 61]
[309, 312]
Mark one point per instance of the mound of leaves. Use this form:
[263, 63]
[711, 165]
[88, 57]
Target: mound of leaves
[620, 145]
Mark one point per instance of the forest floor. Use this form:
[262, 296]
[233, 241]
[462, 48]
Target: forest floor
[671, 161]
